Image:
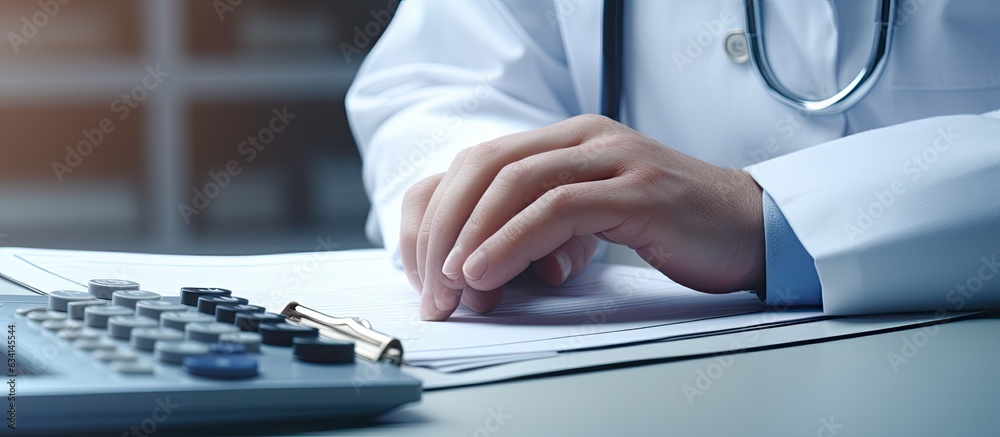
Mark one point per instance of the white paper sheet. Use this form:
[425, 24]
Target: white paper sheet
[607, 305]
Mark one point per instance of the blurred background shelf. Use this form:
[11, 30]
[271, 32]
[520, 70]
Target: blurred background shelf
[222, 78]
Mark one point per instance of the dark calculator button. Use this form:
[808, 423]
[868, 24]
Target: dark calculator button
[226, 348]
[207, 304]
[227, 313]
[283, 334]
[221, 366]
[251, 322]
[190, 295]
[322, 351]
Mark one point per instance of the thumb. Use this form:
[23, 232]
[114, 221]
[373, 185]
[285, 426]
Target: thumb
[567, 261]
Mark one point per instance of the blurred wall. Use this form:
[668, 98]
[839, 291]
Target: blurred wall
[182, 126]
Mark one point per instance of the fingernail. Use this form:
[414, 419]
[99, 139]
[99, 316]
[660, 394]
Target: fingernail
[565, 265]
[447, 299]
[475, 267]
[452, 265]
[428, 314]
[428, 309]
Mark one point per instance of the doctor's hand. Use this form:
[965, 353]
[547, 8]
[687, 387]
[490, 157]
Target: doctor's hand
[546, 195]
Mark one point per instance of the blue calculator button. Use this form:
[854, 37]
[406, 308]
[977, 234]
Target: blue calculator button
[221, 366]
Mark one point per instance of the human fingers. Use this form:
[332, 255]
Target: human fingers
[423, 234]
[566, 262]
[458, 194]
[516, 186]
[544, 226]
[414, 206]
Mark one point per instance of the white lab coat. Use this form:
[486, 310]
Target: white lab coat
[449, 74]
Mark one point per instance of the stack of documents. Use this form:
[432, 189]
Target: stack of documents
[606, 306]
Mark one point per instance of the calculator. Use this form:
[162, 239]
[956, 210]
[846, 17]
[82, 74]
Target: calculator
[122, 359]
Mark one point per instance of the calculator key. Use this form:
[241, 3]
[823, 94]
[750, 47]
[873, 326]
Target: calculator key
[227, 313]
[128, 298]
[78, 334]
[146, 338]
[108, 356]
[132, 368]
[226, 348]
[154, 308]
[190, 295]
[207, 304]
[104, 288]
[174, 352]
[282, 334]
[322, 351]
[223, 366]
[249, 340]
[26, 311]
[60, 298]
[58, 325]
[207, 332]
[41, 316]
[251, 322]
[122, 326]
[177, 320]
[75, 309]
[97, 316]
[95, 344]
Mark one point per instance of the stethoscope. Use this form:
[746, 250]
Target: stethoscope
[750, 45]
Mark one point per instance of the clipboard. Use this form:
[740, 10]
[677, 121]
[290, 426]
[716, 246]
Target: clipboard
[369, 344]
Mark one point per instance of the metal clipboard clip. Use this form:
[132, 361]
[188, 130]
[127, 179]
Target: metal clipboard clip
[369, 344]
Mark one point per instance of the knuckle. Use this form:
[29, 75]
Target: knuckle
[483, 152]
[438, 221]
[643, 177]
[511, 233]
[555, 200]
[421, 187]
[511, 173]
[591, 119]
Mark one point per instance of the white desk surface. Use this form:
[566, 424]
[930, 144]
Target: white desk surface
[948, 385]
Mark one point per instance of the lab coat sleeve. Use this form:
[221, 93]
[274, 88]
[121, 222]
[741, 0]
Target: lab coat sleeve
[903, 218]
[447, 75]
[790, 270]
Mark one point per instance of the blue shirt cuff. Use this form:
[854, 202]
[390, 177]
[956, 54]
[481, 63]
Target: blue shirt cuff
[791, 272]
